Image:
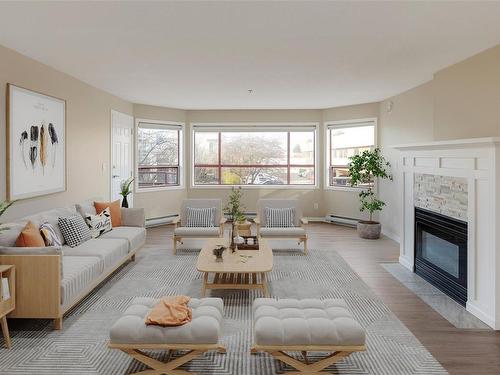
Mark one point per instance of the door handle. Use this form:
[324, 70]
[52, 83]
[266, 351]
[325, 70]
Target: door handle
[115, 176]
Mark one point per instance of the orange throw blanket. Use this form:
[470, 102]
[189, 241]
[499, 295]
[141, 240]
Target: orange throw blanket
[170, 312]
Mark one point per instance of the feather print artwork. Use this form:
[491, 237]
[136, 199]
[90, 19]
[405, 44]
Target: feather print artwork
[43, 146]
[54, 141]
[23, 146]
[33, 145]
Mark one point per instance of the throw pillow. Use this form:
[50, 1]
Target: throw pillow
[200, 217]
[49, 235]
[74, 230]
[100, 223]
[114, 208]
[30, 237]
[279, 217]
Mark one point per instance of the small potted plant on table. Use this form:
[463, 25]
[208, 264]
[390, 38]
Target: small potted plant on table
[364, 168]
[234, 209]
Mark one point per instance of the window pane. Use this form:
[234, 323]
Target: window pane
[253, 148]
[350, 141]
[302, 148]
[340, 177]
[158, 176]
[206, 148]
[206, 175]
[254, 176]
[157, 146]
[302, 176]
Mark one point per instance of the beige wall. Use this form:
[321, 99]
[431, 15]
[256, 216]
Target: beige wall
[461, 101]
[164, 202]
[88, 112]
[344, 202]
[467, 98]
[410, 121]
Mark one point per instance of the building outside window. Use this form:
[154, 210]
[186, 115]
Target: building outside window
[158, 155]
[343, 141]
[259, 155]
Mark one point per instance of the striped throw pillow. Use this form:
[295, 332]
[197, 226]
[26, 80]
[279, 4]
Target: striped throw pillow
[74, 230]
[280, 217]
[200, 217]
[49, 235]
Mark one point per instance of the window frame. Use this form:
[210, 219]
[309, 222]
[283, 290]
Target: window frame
[269, 126]
[167, 123]
[327, 154]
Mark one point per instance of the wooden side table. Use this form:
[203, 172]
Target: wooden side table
[7, 305]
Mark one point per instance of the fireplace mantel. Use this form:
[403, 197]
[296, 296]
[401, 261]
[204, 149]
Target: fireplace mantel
[478, 161]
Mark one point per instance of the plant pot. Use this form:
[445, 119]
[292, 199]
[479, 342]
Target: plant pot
[369, 229]
[124, 201]
[244, 228]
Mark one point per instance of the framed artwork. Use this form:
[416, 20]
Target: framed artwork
[36, 143]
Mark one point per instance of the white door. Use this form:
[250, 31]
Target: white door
[122, 138]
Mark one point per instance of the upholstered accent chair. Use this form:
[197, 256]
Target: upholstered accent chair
[183, 231]
[298, 230]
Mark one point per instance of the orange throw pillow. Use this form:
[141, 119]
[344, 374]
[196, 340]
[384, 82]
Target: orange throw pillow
[114, 209]
[30, 237]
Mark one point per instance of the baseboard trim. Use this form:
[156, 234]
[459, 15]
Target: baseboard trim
[393, 236]
[404, 262]
[480, 314]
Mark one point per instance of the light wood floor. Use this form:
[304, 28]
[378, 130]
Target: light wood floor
[460, 351]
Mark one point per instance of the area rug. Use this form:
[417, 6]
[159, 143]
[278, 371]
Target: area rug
[81, 347]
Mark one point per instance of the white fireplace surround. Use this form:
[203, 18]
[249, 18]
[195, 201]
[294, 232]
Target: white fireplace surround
[477, 160]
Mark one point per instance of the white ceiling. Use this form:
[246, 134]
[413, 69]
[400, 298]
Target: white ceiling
[206, 55]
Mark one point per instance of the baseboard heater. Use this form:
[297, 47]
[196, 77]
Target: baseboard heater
[162, 220]
[341, 220]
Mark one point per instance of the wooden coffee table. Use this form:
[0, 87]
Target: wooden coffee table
[243, 269]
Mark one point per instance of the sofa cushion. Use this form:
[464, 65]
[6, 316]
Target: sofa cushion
[86, 207]
[134, 235]
[30, 236]
[282, 232]
[10, 232]
[52, 217]
[79, 273]
[110, 250]
[305, 322]
[114, 208]
[205, 328]
[74, 229]
[197, 232]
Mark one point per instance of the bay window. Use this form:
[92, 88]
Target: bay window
[254, 155]
[346, 139]
[159, 155]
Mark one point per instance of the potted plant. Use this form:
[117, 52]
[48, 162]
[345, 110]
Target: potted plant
[364, 168]
[125, 190]
[234, 209]
[3, 207]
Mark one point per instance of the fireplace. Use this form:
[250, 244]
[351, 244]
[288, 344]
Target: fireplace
[441, 252]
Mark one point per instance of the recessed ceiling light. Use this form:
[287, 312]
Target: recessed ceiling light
[250, 91]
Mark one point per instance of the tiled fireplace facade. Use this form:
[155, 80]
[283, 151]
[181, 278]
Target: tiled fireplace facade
[446, 195]
[458, 179]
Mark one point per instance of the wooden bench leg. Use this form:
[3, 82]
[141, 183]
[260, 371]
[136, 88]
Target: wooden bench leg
[309, 368]
[58, 323]
[175, 245]
[5, 330]
[158, 367]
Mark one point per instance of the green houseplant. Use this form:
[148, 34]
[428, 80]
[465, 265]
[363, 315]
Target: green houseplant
[125, 190]
[234, 207]
[3, 207]
[364, 169]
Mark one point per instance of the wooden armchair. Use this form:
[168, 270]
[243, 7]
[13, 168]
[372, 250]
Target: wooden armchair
[299, 223]
[182, 231]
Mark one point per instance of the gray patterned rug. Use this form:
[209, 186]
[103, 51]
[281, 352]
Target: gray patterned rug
[80, 348]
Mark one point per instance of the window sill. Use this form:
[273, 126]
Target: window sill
[341, 188]
[259, 187]
[164, 188]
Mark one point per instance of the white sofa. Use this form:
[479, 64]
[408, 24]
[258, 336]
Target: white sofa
[51, 280]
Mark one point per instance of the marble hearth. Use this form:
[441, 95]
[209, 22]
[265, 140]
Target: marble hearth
[459, 179]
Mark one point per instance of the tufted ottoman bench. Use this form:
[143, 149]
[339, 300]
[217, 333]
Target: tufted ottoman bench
[289, 325]
[131, 335]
